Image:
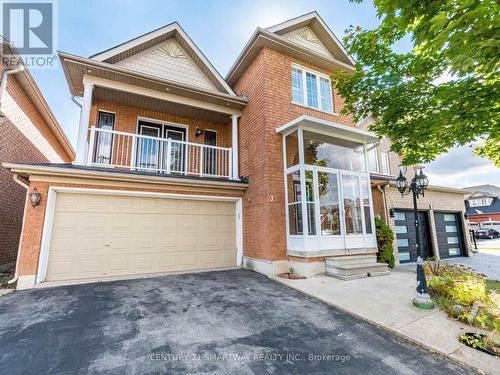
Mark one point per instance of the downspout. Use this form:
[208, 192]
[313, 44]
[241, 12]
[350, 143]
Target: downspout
[382, 191]
[3, 84]
[73, 99]
[24, 185]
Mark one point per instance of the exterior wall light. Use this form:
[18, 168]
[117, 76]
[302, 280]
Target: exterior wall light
[198, 132]
[35, 197]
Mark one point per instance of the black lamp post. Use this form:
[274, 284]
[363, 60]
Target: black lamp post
[417, 186]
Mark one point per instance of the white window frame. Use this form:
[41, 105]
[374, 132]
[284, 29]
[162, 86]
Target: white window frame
[380, 156]
[305, 70]
[479, 202]
[344, 240]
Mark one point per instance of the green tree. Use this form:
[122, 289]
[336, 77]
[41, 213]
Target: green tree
[457, 39]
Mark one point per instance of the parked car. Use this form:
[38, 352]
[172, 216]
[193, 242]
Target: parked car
[487, 233]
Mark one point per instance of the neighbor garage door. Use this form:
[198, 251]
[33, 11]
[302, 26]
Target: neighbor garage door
[449, 234]
[96, 235]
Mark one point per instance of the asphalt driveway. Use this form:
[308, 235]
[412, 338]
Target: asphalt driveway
[215, 322]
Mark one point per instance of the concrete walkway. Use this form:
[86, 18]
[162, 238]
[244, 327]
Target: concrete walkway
[486, 262]
[387, 301]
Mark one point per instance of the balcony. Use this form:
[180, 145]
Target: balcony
[136, 152]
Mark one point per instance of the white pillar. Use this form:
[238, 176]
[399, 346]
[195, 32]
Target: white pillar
[81, 143]
[234, 141]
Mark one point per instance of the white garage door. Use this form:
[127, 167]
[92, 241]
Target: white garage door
[97, 236]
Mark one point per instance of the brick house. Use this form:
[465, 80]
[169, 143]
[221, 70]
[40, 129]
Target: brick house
[178, 169]
[29, 133]
[483, 206]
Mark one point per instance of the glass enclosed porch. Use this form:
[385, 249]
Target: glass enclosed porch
[327, 182]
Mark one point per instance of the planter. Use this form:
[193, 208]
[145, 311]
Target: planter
[473, 337]
[291, 276]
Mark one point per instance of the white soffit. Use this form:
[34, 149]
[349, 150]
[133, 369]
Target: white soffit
[333, 129]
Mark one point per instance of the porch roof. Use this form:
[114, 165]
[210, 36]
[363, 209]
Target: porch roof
[78, 69]
[333, 129]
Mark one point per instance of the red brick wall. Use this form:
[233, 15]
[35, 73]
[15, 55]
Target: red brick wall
[28, 107]
[268, 85]
[16, 148]
[484, 217]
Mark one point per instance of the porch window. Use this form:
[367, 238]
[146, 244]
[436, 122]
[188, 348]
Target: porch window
[295, 199]
[294, 203]
[329, 203]
[365, 196]
[325, 151]
[352, 205]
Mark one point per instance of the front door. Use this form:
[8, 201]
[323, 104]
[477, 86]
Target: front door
[406, 235]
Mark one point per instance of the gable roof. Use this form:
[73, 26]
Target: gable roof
[315, 23]
[319, 45]
[486, 190]
[33, 92]
[146, 41]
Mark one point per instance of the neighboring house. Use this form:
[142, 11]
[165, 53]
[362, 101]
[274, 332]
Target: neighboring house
[443, 229]
[483, 203]
[178, 169]
[29, 133]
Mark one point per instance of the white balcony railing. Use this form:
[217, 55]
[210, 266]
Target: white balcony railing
[137, 152]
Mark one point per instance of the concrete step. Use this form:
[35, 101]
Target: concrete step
[351, 259]
[358, 268]
[349, 267]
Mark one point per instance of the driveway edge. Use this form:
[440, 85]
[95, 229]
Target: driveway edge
[380, 326]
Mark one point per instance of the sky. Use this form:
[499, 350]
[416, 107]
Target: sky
[220, 29]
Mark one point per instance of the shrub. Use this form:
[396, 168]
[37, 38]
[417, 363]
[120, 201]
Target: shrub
[451, 285]
[385, 236]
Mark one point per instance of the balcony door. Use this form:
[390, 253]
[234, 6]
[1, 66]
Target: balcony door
[178, 151]
[152, 149]
[148, 147]
[104, 141]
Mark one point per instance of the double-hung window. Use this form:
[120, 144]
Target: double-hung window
[311, 89]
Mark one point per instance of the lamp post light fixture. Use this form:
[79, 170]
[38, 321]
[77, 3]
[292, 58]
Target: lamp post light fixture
[35, 197]
[417, 187]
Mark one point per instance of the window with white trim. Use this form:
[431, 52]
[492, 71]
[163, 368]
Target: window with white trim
[378, 161]
[311, 89]
[480, 202]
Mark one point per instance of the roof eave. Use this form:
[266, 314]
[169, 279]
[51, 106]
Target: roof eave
[30, 85]
[336, 129]
[235, 72]
[27, 170]
[66, 57]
